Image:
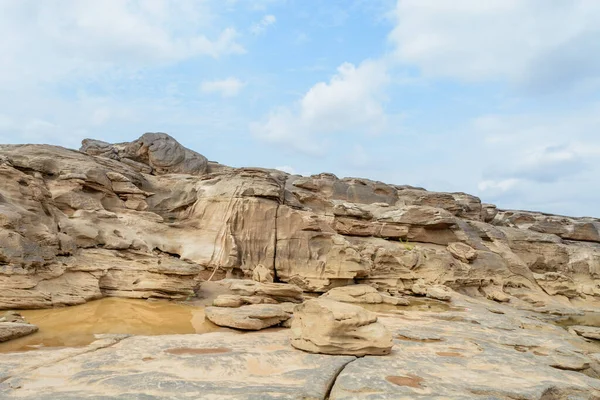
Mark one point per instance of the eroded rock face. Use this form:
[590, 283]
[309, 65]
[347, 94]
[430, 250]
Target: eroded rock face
[362, 294]
[278, 292]
[583, 229]
[234, 300]
[331, 327]
[151, 218]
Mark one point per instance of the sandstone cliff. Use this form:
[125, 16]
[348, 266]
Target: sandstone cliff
[152, 219]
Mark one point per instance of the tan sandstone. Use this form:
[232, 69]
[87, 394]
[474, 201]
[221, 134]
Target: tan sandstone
[331, 327]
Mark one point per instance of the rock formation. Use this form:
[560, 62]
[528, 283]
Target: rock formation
[330, 327]
[13, 326]
[363, 294]
[251, 305]
[151, 218]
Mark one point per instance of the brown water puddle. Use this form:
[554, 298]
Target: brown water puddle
[77, 325]
[412, 381]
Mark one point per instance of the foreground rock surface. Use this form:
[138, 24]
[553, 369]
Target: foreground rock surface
[330, 327]
[478, 350]
[474, 354]
[213, 366]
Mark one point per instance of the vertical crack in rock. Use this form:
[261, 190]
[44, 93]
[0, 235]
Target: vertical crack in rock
[280, 201]
[335, 377]
[275, 240]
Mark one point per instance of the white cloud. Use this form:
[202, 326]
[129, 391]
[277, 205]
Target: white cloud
[261, 26]
[301, 38]
[537, 44]
[229, 87]
[255, 5]
[359, 157]
[546, 161]
[57, 39]
[352, 101]
[501, 185]
[287, 168]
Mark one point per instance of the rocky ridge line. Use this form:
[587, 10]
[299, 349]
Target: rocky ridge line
[151, 218]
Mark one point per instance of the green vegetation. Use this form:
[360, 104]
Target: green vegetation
[407, 245]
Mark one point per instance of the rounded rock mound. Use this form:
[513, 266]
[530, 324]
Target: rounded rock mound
[330, 327]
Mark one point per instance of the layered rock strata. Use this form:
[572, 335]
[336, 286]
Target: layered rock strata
[331, 327]
[151, 218]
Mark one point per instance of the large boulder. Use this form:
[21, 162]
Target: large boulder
[439, 292]
[330, 327]
[262, 274]
[159, 151]
[251, 317]
[462, 252]
[165, 155]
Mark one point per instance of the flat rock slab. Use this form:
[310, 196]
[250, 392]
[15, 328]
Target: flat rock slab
[252, 317]
[480, 355]
[210, 366]
[14, 330]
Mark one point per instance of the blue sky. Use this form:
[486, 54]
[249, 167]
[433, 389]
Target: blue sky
[498, 98]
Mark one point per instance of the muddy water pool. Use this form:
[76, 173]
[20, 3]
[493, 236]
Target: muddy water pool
[77, 325]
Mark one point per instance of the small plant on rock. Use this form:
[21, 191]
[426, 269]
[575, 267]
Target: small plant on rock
[407, 245]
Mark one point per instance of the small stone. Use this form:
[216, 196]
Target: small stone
[262, 274]
[439, 292]
[462, 252]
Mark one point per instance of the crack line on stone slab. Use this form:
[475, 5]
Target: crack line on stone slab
[54, 362]
[335, 377]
